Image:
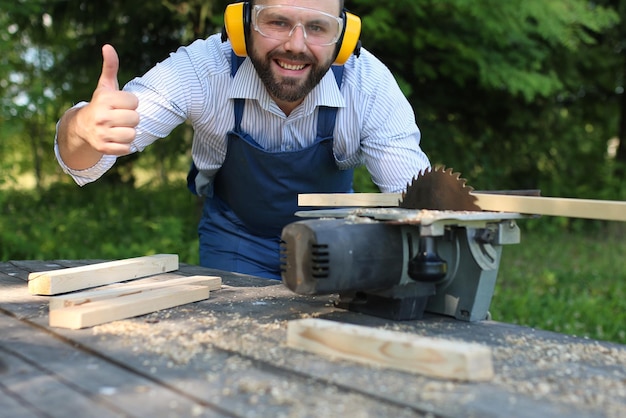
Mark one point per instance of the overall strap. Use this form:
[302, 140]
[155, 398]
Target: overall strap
[235, 63]
[326, 115]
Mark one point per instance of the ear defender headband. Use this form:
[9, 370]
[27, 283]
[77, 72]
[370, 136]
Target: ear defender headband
[237, 20]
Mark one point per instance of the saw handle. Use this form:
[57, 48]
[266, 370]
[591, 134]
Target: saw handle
[427, 266]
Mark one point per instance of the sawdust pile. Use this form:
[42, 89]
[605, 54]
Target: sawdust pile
[591, 375]
[585, 374]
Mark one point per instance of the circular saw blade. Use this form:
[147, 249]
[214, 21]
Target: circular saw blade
[439, 189]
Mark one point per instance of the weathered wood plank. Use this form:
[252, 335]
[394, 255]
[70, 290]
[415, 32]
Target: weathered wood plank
[77, 278]
[197, 358]
[43, 394]
[100, 312]
[53, 377]
[412, 353]
[14, 407]
[124, 289]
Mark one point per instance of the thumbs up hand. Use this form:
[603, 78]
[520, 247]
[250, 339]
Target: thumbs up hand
[108, 122]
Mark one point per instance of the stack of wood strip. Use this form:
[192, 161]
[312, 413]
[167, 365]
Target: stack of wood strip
[76, 308]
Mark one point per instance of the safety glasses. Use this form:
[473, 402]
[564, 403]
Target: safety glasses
[280, 22]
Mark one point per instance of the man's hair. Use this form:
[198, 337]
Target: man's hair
[252, 2]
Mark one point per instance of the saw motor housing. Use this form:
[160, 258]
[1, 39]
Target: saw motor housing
[399, 263]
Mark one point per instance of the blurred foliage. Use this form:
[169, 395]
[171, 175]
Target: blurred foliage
[512, 94]
[55, 60]
[66, 222]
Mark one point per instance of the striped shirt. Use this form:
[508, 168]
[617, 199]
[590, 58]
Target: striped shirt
[375, 123]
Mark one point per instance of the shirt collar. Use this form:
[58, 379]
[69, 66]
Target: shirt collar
[247, 85]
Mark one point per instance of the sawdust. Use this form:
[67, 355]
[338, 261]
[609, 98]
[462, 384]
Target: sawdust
[246, 338]
[585, 374]
[591, 375]
[155, 335]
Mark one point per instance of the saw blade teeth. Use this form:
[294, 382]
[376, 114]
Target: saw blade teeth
[439, 188]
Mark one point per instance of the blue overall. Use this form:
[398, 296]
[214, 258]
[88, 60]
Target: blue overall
[255, 194]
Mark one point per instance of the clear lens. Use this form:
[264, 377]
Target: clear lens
[279, 22]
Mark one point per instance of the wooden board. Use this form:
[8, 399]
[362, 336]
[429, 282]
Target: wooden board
[50, 376]
[349, 199]
[533, 205]
[125, 289]
[408, 352]
[100, 312]
[77, 278]
[606, 210]
[227, 356]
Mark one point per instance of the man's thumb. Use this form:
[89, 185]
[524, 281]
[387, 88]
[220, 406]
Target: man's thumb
[110, 65]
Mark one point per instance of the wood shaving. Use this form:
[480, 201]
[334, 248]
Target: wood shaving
[591, 375]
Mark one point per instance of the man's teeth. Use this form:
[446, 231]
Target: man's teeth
[292, 67]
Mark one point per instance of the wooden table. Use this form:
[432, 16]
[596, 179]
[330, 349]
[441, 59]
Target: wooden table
[226, 356]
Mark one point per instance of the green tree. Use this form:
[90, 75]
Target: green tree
[613, 61]
[22, 89]
[503, 91]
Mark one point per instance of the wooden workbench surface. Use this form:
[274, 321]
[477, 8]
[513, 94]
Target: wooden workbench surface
[227, 356]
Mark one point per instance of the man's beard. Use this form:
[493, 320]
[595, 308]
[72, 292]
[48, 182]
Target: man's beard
[287, 88]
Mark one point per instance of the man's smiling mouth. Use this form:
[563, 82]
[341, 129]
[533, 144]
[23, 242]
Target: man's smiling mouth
[293, 67]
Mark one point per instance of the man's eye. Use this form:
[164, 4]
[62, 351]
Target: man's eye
[315, 29]
[278, 24]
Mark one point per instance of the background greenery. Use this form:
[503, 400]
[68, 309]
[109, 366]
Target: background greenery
[514, 94]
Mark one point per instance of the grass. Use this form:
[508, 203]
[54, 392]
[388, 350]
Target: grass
[99, 221]
[570, 282]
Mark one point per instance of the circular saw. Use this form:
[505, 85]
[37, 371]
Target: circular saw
[439, 189]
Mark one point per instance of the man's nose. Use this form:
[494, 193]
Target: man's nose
[297, 38]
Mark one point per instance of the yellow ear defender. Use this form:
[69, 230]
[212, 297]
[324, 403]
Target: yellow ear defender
[349, 42]
[237, 28]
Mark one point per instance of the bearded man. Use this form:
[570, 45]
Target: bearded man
[285, 101]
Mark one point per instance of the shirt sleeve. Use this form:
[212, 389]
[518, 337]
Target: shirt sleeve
[391, 140]
[389, 137]
[164, 95]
